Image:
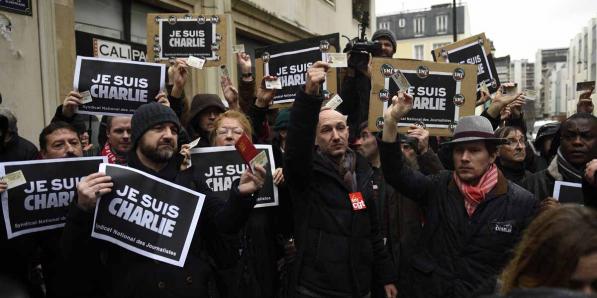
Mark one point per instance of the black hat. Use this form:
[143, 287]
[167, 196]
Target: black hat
[545, 131]
[385, 33]
[149, 115]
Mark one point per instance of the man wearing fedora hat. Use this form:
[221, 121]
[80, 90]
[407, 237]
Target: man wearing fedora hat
[473, 215]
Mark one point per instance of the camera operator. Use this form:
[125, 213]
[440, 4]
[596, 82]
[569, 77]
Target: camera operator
[356, 85]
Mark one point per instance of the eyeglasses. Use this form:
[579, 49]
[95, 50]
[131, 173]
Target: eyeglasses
[514, 142]
[222, 131]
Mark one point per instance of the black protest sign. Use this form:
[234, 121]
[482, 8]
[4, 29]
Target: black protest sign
[147, 215]
[180, 35]
[568, 192]
[117, 87]
[442, 93]
[42, 203]
[473, 50]
[186, 37]
[220, 166]
[290, 61]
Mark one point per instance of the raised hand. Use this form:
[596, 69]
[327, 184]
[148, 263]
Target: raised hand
[315, 76]
[71, 103]
[251, 182]
[264, 95]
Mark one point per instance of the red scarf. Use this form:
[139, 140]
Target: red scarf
[112, 158]
[475, 194]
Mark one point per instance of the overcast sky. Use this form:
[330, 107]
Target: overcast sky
[517, 27]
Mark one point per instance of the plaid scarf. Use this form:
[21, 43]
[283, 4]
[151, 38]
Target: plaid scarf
[475, 194]
[112, 158]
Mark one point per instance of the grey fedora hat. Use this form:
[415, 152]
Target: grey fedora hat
[472, 129]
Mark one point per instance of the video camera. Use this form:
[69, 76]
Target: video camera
[359, 47]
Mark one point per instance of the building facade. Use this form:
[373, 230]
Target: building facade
[420, 31]
[582, 62]
[522, 72]
[38, 51]
[502, 66]
[549, 78]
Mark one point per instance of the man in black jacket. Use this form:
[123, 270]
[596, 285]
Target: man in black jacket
[336, 228]
[474, 216]
[12, 146]
[578, 146]
[125, 274]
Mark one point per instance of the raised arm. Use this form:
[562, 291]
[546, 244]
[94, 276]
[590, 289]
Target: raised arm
[409, 182]
[304, 116]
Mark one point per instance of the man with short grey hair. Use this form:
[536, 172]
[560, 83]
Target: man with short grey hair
[473, 215]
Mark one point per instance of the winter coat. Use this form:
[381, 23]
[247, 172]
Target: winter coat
[457, 256]
[338, 248]
[126, 274]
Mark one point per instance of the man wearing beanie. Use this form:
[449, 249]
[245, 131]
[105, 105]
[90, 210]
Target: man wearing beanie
[474, 216]
[356, 85]
[154, 150]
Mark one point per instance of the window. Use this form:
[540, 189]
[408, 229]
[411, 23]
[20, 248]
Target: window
[441, 24]
[419, 25]
[418, 53]
[401, 22]
[384, 25]
[439, 45]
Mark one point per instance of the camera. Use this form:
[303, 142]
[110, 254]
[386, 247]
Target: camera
[359, 47]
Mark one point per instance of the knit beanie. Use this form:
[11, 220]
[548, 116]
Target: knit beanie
[282, 119]
[148, 115]
[385, 33]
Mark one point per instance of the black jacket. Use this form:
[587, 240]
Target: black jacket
[338, 248]
[458, 256]
[18, 149]
[126, 274]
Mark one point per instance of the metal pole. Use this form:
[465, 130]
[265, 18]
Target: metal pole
[454, 29]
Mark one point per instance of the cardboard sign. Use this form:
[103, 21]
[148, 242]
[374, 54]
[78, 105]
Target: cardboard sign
[181, 35]
[290, 61]
[220, 166]
[473, 50]
[442, 93]
[147, 215]
[568, 192]
[43, 201]
[117, 87]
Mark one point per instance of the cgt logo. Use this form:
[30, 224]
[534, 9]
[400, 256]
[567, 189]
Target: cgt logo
[387, 70]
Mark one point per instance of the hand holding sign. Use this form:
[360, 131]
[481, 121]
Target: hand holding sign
[230, 93]
[244, 62]
[91, 188]
[3, 186]
[251, 182]
[401, 105]
[501, 100]
[264, 95]
[315, 77]
[178, 75]
[71, 103]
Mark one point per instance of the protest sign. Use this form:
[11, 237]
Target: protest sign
[442, 93]
[473, 50]
[568, 192]
[220, 166]
[290, 61]
[42, 202]
[117, 87]
[147, 215]
[179, 35]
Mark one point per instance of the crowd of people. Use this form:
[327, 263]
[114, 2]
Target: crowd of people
[360, 214]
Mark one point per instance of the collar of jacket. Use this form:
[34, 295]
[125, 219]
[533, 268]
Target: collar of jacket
[553, 171]
[500, 188]
[363, 171]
